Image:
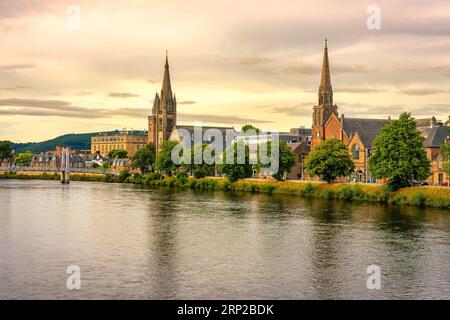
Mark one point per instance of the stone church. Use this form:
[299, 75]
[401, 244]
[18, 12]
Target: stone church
[163, 119]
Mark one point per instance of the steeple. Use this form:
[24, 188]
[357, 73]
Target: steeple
[155, 104]
[325, 89]
[166, 91]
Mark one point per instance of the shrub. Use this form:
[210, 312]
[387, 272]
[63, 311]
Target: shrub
[123, 175]
[182, 177]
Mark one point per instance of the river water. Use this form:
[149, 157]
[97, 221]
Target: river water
[159, 243]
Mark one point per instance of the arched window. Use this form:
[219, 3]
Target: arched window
[355, 152]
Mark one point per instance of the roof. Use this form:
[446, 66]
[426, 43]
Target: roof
[426, 122]
[301, 131]
[296, 146]
[367, 129]
[208, 139]
[434, 136]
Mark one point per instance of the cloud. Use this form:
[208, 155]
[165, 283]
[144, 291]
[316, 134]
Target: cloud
[151, 81]
[16, 88]
[423, 91]
[123, 95]
[358, 90]
[187, 102]
[59, 108]
[84, 93]
[218, 118]
[16, 66]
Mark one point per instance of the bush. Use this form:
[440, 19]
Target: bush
[123, 175]
[182, 177]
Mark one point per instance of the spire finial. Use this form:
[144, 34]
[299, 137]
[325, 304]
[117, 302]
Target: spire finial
[326, 43]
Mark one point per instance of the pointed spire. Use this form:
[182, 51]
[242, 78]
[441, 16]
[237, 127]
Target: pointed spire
[155, 103]
[326, 79]
[325, 89]
[166, 91]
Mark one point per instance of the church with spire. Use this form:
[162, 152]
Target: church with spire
[359, 133]
[163, 119]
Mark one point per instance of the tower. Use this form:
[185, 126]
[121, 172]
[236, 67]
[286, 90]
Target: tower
[325, 107]
[164, 112]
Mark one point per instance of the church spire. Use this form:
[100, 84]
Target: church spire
[166, 91]
[325, 89]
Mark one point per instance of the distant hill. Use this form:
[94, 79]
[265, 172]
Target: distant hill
[78, 141]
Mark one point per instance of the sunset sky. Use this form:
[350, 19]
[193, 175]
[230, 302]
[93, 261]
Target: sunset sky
[232, 62]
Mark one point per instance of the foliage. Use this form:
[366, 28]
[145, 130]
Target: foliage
[247, 127]
[445, 152]
[399, 155]
[5, 150]
[182, 177]
[202, 169]
[285, 161]
[118, 153]
[164, 161]
[240, 167]
[144, 158]
[23, 159]
[329, 160]
[123, 175]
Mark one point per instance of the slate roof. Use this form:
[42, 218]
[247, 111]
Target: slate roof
[367, 129]
[223, 130]
[435, 136]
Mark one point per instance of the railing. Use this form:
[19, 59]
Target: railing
[53, 169]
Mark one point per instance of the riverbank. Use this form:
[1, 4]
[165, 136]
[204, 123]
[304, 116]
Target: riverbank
[417, 196]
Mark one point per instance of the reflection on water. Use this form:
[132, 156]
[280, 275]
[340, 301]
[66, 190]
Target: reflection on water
[133, 242]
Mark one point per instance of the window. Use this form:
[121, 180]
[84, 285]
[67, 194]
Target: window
[355, 152]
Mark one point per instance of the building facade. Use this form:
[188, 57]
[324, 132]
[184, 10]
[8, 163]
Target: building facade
[359, 133]
[164, 112]
[130, 141]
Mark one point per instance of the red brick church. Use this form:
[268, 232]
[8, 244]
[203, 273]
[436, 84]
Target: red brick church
[358, 133]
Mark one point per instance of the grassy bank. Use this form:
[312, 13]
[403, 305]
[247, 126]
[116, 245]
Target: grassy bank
[417, 196]
[56, 176]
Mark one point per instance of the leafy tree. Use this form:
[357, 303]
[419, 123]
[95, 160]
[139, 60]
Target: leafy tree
[250, 127]
[164, 161]
[445, 152]
[329, 160]
[118, 153]
[144, 158]
[5, 150]
[285, 161]
[23, 159]
[399, 155]
[235, 170]
[203, 169]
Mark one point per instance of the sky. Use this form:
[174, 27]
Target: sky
[95, 65]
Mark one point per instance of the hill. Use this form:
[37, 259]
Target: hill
[78, 141]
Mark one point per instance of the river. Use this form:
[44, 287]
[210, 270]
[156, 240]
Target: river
[132, 242]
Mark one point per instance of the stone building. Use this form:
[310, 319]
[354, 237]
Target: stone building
[130, 141]
[164, 112]
[358, 133]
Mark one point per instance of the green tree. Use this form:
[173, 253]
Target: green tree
[23, 159]
[399, 155]
[164, 162]
[203, 169]
[250, 127]
[285, 161]
[144, 158]
[118, 153]
[329, 160]
[5, 150]
[445, 152]
[239, 167]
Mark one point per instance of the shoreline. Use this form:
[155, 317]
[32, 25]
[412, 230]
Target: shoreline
[438, 197]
